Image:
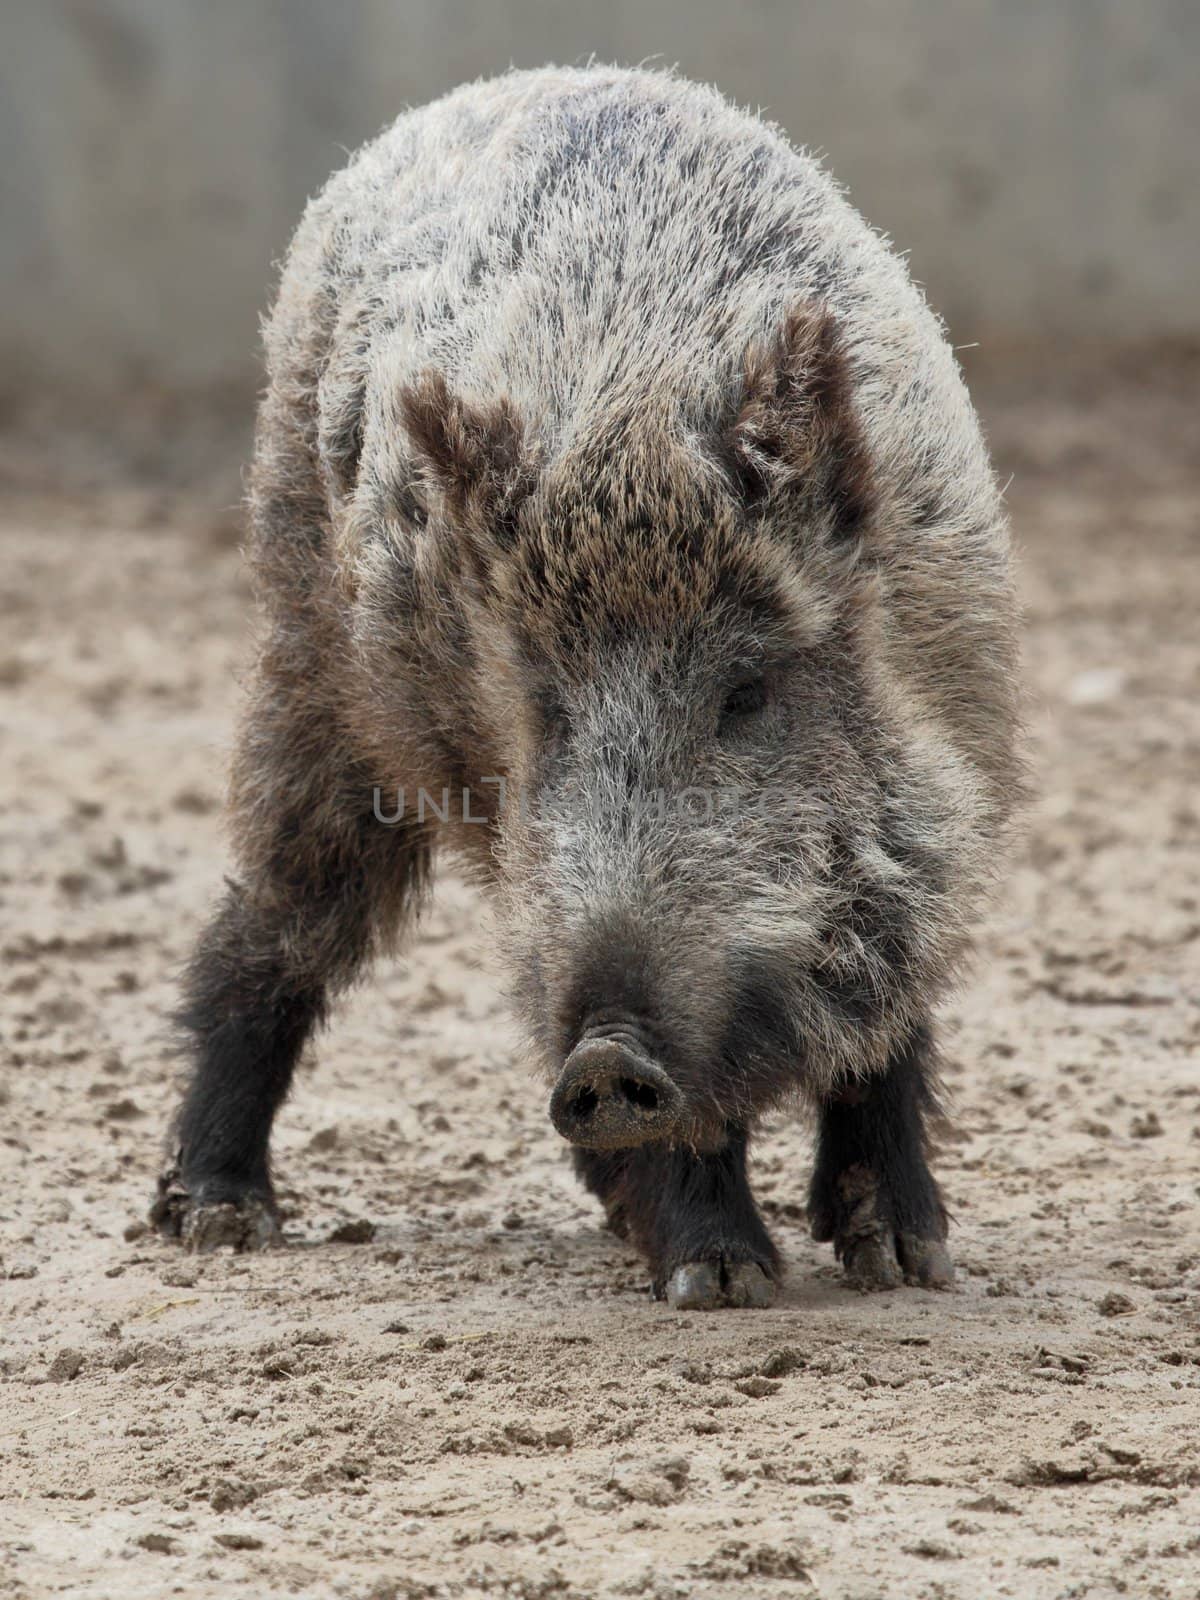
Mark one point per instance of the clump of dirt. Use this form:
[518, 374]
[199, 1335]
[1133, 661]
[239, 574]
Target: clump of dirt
[452, 1381]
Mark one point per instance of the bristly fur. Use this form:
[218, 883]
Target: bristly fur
[589, 399]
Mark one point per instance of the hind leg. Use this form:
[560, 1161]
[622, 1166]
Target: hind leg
[872, 1192]
[602, 1172]
[322, 880]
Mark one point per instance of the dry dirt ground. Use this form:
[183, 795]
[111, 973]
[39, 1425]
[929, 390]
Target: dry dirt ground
[452, 1382]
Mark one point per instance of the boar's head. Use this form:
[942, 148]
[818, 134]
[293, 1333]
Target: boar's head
[721, 848]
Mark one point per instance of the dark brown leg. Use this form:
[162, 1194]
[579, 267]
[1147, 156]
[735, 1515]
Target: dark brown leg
[693, 1217]
[872, 1192]
[322, 879]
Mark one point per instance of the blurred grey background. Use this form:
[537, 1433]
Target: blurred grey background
[1037, 158]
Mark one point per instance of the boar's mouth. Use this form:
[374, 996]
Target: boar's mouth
[612, 1095]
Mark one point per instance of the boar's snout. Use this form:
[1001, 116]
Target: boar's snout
[611, 1097]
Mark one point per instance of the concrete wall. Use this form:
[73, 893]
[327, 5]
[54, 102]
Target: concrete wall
[1039, 158]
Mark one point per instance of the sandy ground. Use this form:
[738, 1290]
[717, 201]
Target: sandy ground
[477, 1397]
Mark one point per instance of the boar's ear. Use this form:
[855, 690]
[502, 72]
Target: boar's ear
[796, 430]
[476, 455]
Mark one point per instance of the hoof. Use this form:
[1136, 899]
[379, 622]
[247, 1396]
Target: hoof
[856, 1213]
[882, 1261]
[708, 1285]
[695, 1287]
[926, 1262]
[871, 1265]
[247, 1223]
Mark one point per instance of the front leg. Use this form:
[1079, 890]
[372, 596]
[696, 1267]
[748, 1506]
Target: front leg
[872, 1192]
[245, 1019]
[693, 1218]
[323, 881]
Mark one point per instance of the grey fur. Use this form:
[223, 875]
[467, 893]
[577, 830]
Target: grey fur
[524, 362]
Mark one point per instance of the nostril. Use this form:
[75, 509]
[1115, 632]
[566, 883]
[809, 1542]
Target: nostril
[584, 1103]
[611, 1096]
[642, 1095]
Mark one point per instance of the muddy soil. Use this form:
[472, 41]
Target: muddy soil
[452, 1381]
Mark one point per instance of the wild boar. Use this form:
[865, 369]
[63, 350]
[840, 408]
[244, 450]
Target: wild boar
[613, 480]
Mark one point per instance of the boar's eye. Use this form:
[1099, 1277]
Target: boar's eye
[745, 699]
